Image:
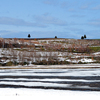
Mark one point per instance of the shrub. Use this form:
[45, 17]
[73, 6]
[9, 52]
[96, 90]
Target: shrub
[10, 63]
[82, 62]
[15, 63]
[44, 62]
[25, 63]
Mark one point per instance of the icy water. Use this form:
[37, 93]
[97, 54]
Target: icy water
[57, 79]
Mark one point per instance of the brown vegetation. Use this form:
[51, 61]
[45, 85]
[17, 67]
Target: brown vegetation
[21, 51]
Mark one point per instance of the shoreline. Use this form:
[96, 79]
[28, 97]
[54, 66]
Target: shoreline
[70, 66]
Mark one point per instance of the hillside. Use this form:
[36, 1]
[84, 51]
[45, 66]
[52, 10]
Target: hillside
[48, 51]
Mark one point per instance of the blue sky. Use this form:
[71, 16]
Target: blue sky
[50, 18]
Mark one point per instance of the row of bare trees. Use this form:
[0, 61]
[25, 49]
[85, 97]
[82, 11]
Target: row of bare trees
[22, 57]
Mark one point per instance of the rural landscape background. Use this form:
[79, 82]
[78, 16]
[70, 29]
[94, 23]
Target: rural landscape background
[50, 49]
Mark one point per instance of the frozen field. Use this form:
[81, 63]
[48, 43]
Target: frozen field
[18, 82]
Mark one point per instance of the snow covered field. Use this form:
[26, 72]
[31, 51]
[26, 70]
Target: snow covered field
[20, 94]
[51, 83]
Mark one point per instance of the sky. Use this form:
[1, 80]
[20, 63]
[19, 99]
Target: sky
[50, 18]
